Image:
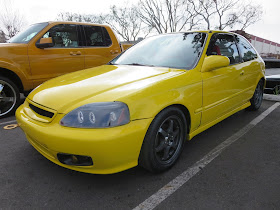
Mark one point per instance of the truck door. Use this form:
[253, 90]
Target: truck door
[100, 47]
[67, 54]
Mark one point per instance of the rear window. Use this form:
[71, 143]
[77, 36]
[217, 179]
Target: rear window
[96, 36]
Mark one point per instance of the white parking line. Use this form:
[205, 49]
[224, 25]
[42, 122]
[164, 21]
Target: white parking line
[167, 190]
[12, 121]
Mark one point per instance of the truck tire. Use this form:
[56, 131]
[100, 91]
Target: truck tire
[9, 97]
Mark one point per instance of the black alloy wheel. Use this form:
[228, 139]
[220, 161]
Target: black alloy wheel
[167, 140]
[256, 100]
[164, 140]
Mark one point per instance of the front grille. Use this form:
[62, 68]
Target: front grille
[41, 111]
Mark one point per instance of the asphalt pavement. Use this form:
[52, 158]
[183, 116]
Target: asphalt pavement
[244, 175]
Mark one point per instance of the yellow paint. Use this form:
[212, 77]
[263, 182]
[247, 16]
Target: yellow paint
[209, 97]
[214, 62]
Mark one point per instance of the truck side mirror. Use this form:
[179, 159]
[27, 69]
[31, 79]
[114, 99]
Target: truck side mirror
[45, 43]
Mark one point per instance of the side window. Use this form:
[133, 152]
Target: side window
[96, 36]
[224, 44]
[247, 51]
[64, 36]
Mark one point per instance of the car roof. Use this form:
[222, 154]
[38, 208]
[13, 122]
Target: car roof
[76, 23]
[204, 31]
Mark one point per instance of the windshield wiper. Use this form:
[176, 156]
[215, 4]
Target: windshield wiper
[137, 64]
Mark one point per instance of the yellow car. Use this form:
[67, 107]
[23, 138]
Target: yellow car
[143, 105]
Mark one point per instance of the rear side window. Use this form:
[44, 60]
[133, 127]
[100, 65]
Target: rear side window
[64, 36]
[96, 36]
[224, 44]
[247, 51]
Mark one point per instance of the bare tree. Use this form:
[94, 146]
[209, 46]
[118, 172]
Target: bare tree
[249, 14]
[126, 22]
[11, 20]
[221, 14]
[224, 9]
[167, 15]
[205, 9]
[76, 17]
[2, 37]
[163, 16]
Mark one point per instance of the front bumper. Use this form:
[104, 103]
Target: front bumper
[111, 149]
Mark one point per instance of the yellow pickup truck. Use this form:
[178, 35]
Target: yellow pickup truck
[47, 50]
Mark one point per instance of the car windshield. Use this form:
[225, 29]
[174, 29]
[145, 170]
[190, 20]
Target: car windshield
[26, 35]
[180, 50]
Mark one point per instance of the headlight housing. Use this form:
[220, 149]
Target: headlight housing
[97, 115]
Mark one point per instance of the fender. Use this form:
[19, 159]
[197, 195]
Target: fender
[15, 68]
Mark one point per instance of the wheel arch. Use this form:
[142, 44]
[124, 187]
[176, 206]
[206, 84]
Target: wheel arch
[13, 77]
[264, 81]
[186, 112]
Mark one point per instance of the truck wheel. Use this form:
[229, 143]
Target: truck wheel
[9, 97]
[164, 140]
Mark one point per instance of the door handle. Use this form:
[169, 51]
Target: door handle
[242, 73]
[114, 52]
[75, 53]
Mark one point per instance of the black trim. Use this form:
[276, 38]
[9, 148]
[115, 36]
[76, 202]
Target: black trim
[74, 160]
[41, 111]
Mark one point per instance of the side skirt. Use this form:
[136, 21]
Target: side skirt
[208, 125]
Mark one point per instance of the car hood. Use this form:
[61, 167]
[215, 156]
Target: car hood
[9, 45]
[78, 87]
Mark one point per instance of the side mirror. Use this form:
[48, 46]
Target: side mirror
[214, 62]
[45, 43]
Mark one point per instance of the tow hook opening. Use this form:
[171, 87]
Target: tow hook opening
[74, 160]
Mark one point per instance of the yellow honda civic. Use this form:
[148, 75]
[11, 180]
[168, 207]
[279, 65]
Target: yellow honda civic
[142, 106]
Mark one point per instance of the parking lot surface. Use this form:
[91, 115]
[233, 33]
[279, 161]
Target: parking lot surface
[243, 175]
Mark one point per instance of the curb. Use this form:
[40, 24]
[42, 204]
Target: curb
[270, 97]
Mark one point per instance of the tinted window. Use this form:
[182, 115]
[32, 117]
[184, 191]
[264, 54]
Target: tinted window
[224, 44]
[180, 50]
[247, 51]
[64, 36]
[26, 35]
[97, 36]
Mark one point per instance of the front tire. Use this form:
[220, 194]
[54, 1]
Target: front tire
[256, 100]
[164, 140]
[9, 97]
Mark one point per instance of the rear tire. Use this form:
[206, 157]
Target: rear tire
[164, 140]
[9, 97]
[256, 100]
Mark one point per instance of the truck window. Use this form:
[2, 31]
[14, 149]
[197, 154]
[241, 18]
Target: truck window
[96, 36]
[64, 36]
[247, 51]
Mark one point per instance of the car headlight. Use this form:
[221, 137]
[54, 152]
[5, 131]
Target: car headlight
[97, 115]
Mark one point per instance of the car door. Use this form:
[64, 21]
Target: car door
[222, 87]
[67, 54]
[250, 66]
[99, 47]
